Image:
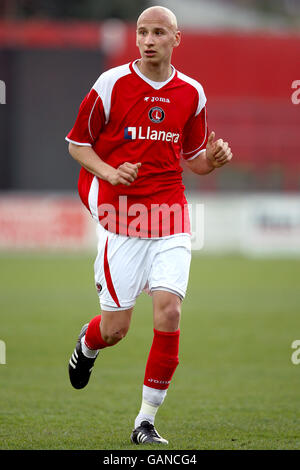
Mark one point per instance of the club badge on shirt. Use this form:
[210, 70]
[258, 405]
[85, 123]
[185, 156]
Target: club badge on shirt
[156, 114]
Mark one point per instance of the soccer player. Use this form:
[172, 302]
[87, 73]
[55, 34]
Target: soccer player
[132, 129]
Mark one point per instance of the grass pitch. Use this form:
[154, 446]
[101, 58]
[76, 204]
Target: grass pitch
[235, 387]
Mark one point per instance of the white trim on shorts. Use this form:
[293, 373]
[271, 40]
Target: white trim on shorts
[113, 308]
[181, 294]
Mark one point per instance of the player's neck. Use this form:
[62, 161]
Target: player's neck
[156, 72]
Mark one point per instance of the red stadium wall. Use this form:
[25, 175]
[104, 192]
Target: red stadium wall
[247, 78]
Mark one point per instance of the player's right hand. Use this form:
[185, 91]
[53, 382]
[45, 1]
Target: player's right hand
[125, 174]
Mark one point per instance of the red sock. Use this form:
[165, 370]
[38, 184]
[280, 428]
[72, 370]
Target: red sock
[162, 359]
[93, 338]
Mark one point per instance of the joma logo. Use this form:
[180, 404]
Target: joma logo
[157, 99]
[159, 381]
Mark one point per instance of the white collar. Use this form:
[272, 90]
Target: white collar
[155, 85]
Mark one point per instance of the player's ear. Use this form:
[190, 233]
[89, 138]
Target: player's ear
[177, 39]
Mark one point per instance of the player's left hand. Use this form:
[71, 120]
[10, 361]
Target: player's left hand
[218, 152]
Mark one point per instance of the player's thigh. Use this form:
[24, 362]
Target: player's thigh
[171, 266]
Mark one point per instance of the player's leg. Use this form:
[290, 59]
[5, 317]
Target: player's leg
[161, 364]
[166, 310]
[168, 282]
[119, 279]
[108, 328]
[101, 332]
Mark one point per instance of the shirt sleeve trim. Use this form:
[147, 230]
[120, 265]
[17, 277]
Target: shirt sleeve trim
[85, 144]
[195, 150]
[195, 156]
[89, 122]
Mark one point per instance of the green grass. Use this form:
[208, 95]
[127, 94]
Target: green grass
[235, 387]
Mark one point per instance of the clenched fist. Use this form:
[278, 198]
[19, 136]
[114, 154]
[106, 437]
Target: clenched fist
[124, 174]
[218, 152]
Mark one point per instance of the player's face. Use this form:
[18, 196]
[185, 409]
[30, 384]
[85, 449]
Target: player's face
[156, 38]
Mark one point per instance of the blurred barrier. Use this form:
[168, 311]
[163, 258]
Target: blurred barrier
[250, 224]
[253, 224]
[44, 222]
[49, 34]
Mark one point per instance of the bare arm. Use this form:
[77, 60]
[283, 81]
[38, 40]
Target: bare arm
[216, 155]
[200, 165]
[88, 158]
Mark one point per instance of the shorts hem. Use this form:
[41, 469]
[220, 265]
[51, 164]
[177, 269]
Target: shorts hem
[173, 290]
[112, 307]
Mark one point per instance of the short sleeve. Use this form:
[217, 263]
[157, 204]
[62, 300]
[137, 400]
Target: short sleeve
[89, 122]
[195, 135]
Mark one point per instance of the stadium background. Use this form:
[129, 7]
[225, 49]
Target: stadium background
[241, 314]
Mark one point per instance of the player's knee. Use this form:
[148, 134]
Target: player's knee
[172, 314]
[169, 317]
[113, 336]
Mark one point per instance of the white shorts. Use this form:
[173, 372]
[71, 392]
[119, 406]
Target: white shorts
[125, 266]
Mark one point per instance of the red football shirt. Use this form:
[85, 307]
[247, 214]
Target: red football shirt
[128, 118]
